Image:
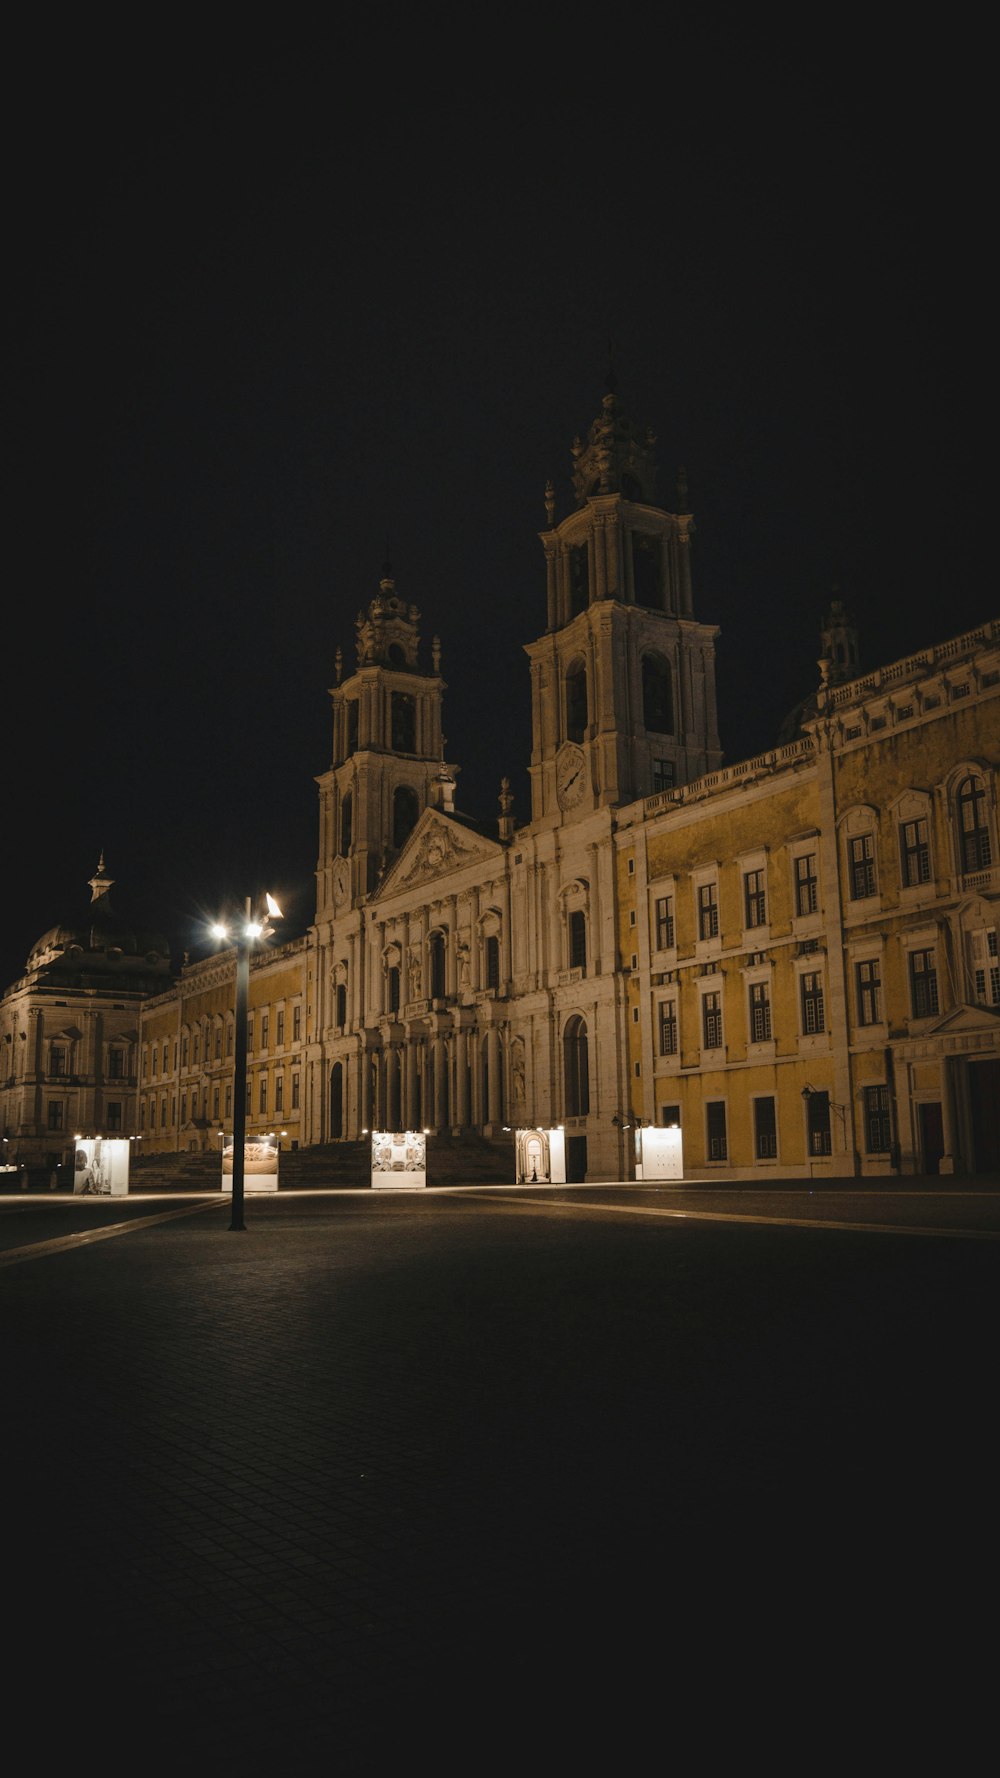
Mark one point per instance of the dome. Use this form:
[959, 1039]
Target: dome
[98, 941]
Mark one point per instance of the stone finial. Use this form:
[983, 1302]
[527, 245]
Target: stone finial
[550, 501]
[436, 654]
[338, 665]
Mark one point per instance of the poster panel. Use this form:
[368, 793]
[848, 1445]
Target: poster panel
[100, 1166]
[661, 1153]
[260, 1164]
[399, 1160]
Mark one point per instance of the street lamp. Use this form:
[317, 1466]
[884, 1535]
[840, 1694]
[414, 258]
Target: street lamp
[246, 932]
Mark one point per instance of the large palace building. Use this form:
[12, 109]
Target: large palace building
[794, 958]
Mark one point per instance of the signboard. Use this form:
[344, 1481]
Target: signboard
[399, 1160]
[540, 1157]
[260, 1164]
[100, 1166]
[659, 1154]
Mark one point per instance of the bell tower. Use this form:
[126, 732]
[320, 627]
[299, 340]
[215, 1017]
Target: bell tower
[387, 750]
[623, 681]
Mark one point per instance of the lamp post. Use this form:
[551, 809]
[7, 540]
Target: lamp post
[247, 930]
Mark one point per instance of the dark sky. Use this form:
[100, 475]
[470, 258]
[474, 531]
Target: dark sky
[276, 311]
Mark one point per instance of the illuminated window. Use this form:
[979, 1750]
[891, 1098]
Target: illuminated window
[755, 902]
[878, 1122]
[812, 1003]
[868, 978]
[923, 984]
[708, 911]
[664, 922]
[915, 852]
[862, 867]
[806, 884]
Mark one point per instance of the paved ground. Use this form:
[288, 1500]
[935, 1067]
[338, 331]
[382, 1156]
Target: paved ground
[599, 1477]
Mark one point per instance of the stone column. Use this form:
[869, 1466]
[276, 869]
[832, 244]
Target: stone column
[440, 1056]
[462, 1078]
[494, 1080]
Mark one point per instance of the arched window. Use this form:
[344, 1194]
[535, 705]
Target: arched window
[657, 695]
[395, 655]
[437, 965]
[576, 1067]
[346, 819]
[404, 723]
[576, 702]
[405, 809]
[973, 825]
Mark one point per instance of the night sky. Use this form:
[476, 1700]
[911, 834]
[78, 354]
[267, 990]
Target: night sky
[278, 313]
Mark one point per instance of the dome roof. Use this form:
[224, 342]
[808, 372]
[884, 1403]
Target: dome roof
[99, 941]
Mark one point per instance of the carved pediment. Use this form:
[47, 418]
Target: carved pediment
[436, 847]
[966, 1018]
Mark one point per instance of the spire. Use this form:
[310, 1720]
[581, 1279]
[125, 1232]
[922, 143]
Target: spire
[388, 633]
[100, 882]
[839, 641]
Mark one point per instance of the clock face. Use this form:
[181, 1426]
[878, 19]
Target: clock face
[570, 782]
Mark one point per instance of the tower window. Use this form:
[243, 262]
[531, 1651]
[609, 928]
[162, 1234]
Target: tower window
[577, 940]
[647, 580]
[352, 726]
[657, 695]
[576, 702]
[346, 824]
[404, 723]
[493, 962]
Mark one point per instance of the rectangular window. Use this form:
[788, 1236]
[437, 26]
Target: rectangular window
[668, 1028]
[818, 1123]
[229, 1101]
[393, 988]
[116, 1065]
[249, 1035]
[55, 1114]
[878, 1124]
[218, 1043]
[114, 1114]
[923, 984]
[754, 899]
[708, 911]
[249, 1105]
[806, 884]
[915, 852]
[664, 922]
[265, 1025]
[765, 1130]
[229, 1040]
[184, 1052]
[869, 984]
[215, 1104]
[184, 1108]
[812, 1003]
[57, 1059]
[711, 1013]
[279, 1092]
[670, 1115]
[577, 940]
[163, 1114]
[295, 1092]
[493, 962]
[862, 858]
[296, 1024]
[715, 1127]
[280, 1029]
[760, 1013]
[663, 775]
[262, 1094]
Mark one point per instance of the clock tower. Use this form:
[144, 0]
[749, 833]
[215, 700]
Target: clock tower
[623, 680]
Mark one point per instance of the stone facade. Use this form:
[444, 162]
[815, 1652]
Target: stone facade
[793, 958]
